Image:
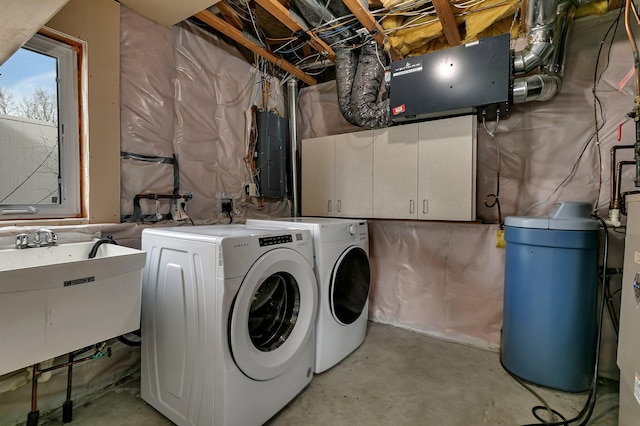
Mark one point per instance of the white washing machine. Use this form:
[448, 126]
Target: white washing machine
[228, 317]
[341, 248]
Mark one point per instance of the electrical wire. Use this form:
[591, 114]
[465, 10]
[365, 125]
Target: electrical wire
[598, 104]
[495, 197]
[613, 26]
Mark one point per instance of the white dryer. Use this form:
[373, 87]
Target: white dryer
[341, 248]
[228, 317]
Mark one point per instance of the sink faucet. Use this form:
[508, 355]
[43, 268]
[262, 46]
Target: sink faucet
[50, 238]
[22, 241]
[43, 237]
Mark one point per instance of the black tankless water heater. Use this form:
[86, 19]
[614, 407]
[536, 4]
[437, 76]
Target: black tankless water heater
[474, 77]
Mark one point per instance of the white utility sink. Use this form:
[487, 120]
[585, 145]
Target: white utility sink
[54, 300]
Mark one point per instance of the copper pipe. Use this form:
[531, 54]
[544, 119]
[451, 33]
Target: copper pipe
[614, 203]
[34, 388]
[66, 364]
[634, 46]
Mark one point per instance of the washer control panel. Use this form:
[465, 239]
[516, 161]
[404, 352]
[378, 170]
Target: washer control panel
[278, 239]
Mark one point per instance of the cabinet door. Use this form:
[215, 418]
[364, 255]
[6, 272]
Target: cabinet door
[395, 161]
[353, 174]
[447, 169]
[317, 169]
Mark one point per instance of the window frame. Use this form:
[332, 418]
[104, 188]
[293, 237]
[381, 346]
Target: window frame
[68, 56]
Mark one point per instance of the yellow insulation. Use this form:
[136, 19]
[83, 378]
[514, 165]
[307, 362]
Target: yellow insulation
[391, 21]
[479, 21]
[482, 19]
[500, 27]
[595, 8]
[428, 28]
[389, 4]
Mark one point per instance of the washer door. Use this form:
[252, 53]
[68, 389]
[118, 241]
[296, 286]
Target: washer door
[273, 314]
[350, 281]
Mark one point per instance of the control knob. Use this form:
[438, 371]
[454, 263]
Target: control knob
[353, 229]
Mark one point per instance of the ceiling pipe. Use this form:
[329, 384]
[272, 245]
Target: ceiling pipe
[292, 97]
[553, 37]
[540, 19]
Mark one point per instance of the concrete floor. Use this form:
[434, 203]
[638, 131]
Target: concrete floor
[397, 377]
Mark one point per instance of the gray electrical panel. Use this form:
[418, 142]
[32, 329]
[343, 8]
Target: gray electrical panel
[475, 77]
[272, 155]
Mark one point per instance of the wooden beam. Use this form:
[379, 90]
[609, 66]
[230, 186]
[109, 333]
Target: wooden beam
[281, 13]
[229, 14]
[369, 22]
[230, 31]
[448, 21]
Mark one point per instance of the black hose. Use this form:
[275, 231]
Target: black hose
[101, 241]
[92, 254]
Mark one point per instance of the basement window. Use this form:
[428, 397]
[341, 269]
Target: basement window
[39, 132]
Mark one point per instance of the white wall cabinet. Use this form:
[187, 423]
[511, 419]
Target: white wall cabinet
[337, 175]
[395, 178]
[421, 170]
[447, 169]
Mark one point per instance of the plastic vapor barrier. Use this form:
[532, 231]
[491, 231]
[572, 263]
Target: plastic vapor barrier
[146, 112]
[187, 94]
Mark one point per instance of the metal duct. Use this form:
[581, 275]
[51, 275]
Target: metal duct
[292, 97]
[540, 20]
[346, 64]
[359, 76]
[369, 111]
[552, 51]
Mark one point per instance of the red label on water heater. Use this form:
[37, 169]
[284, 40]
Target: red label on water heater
[398, 110]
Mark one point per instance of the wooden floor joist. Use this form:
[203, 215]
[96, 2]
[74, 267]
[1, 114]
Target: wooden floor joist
[230, 31]
[229, 14]
[448, 21]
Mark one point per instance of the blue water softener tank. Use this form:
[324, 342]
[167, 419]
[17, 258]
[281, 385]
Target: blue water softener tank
[550, 290]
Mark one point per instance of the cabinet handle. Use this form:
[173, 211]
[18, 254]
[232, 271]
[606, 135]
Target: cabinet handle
[424, 206]
[411, 206]
[329, 206]
[339, 206]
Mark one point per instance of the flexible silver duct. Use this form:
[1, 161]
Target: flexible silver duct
[359, 77]
[346, 64]
[370, 111]
[548, 42]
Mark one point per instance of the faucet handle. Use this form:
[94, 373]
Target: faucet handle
[22, 241]
[50, 237]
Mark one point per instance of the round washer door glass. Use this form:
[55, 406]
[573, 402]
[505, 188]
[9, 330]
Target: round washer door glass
[350, 283]
[273, 314]
[274, 311]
